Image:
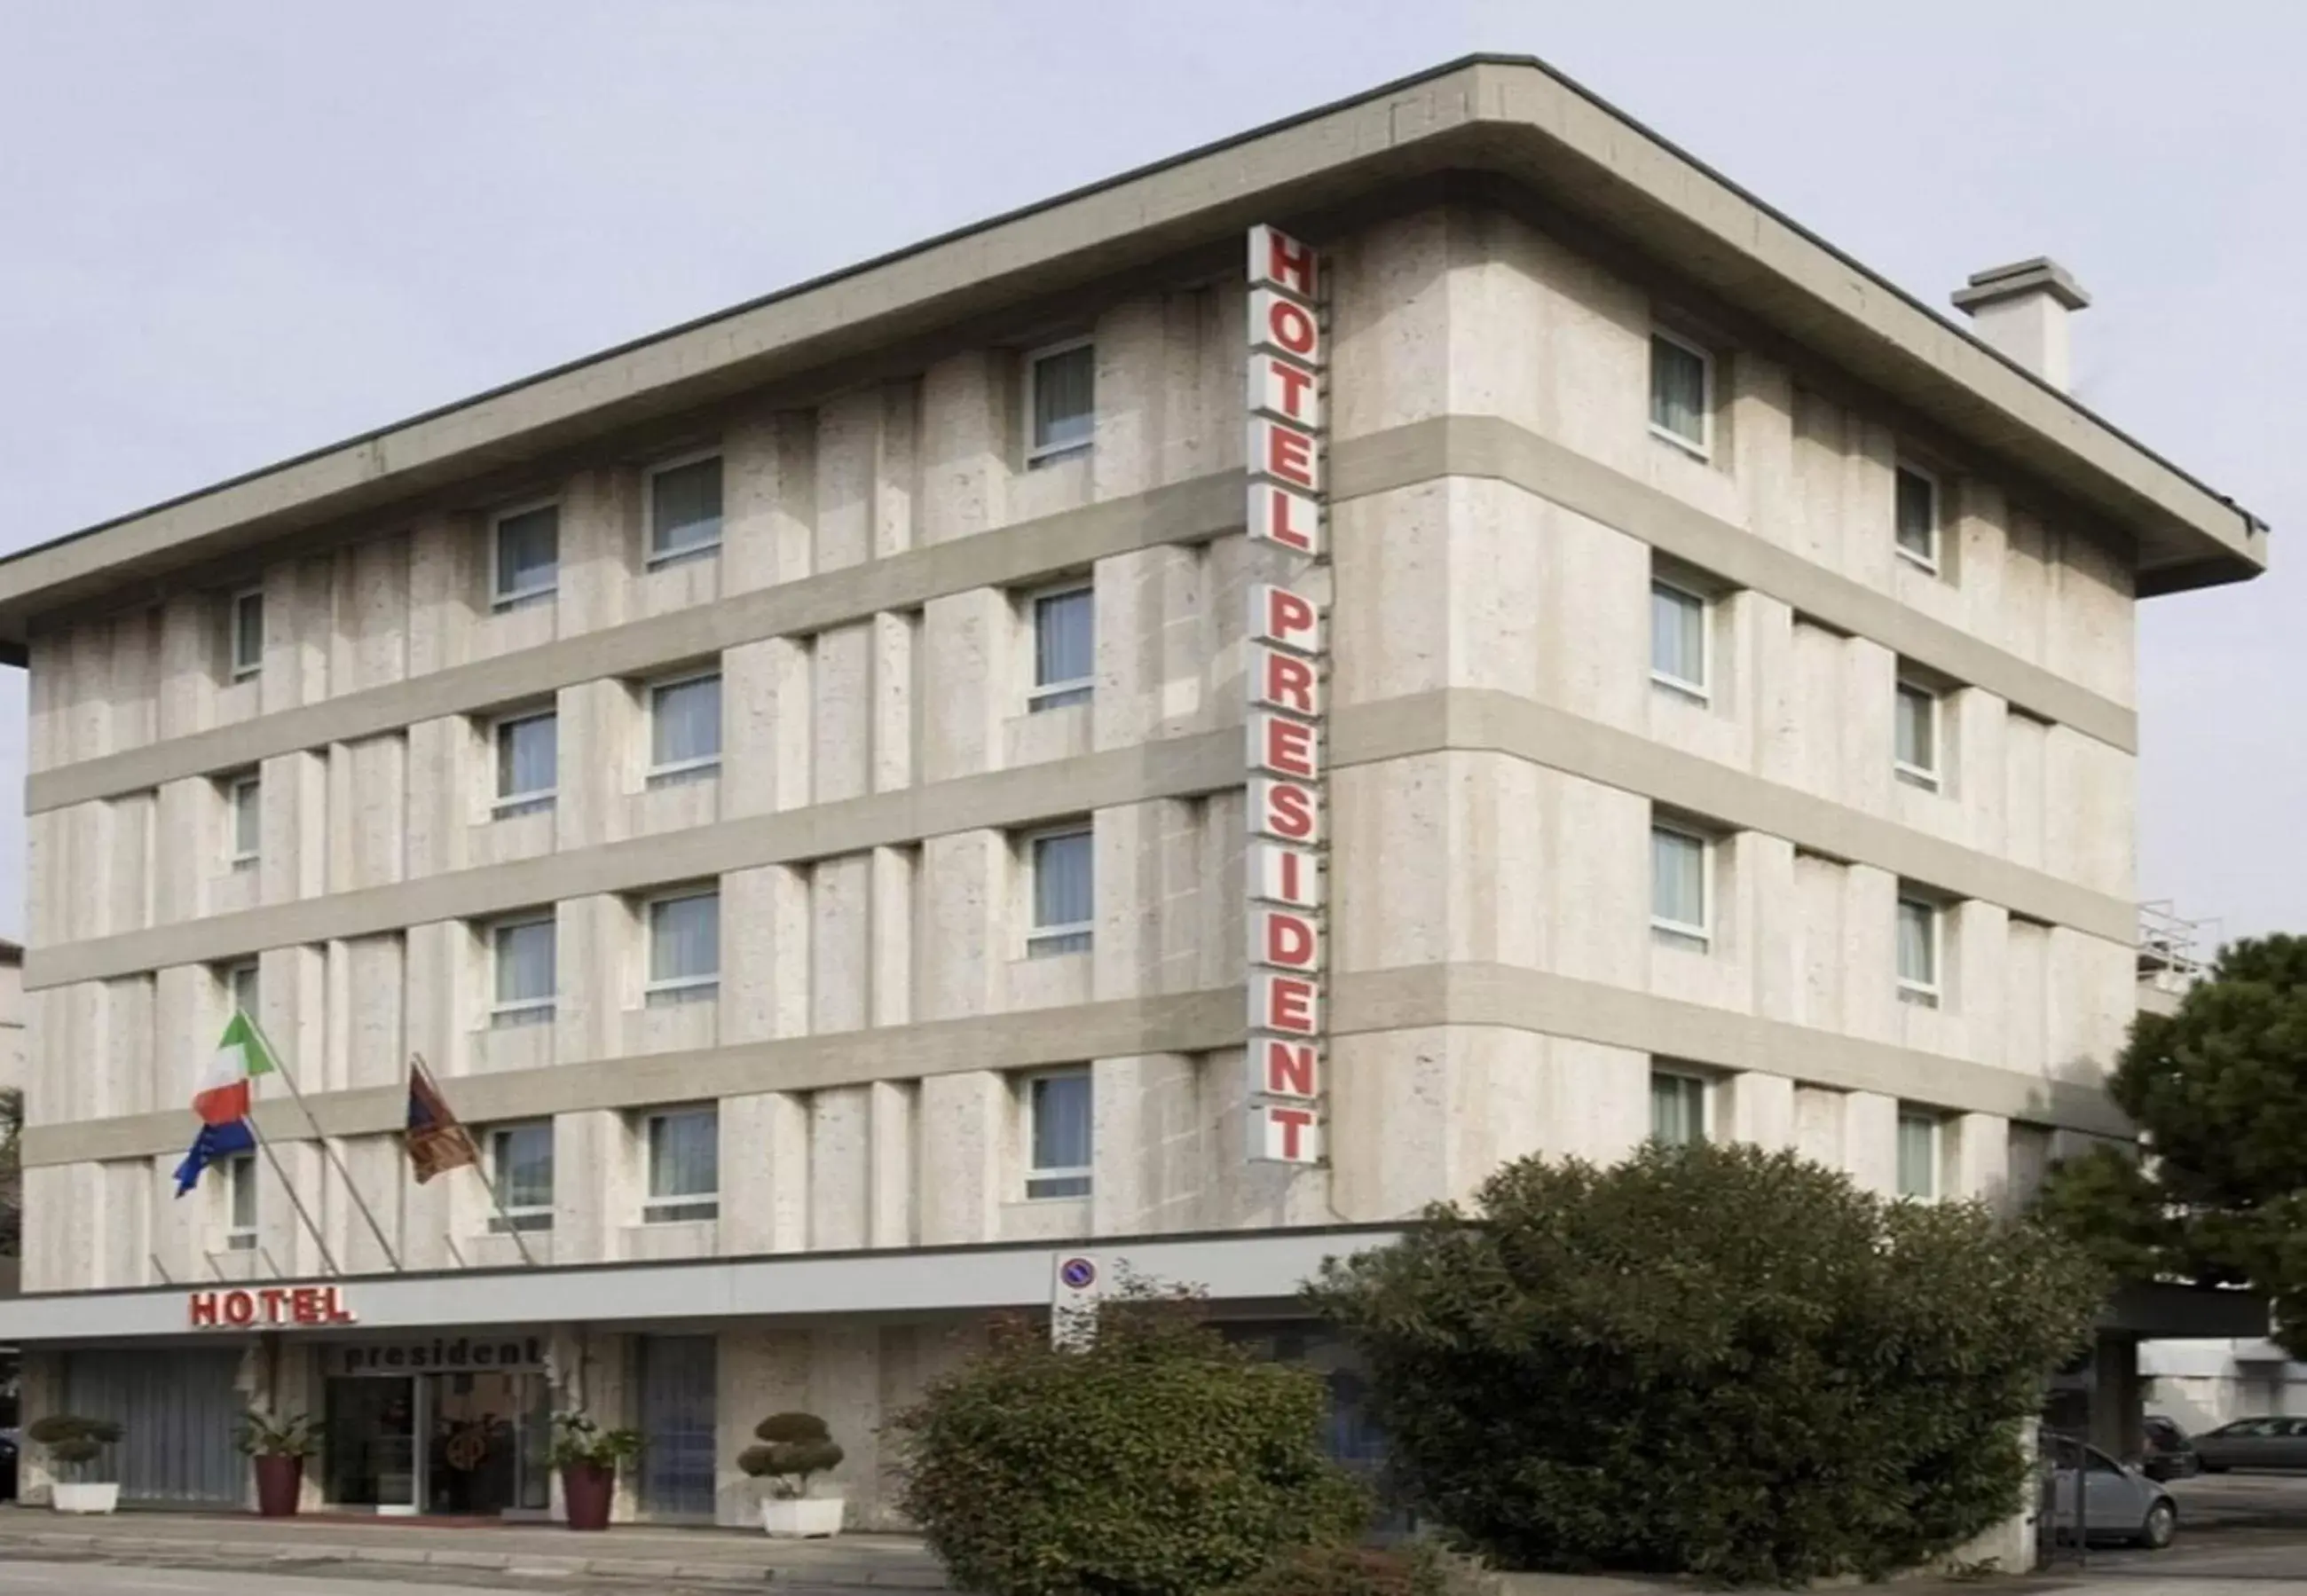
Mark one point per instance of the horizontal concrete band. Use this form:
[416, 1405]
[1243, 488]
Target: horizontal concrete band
[1018, 555]
[1361, 1003]
[1006, 800]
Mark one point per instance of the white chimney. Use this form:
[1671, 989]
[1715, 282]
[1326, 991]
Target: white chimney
[2021, 310]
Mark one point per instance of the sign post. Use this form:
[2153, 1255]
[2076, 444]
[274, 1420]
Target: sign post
[1077, 1284]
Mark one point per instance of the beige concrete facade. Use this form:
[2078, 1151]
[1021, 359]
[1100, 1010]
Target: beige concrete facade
[1499, 756]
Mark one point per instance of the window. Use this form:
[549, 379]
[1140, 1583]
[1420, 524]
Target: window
[1678, 628]
[528, 557]
[1918, 511]
[1916, 758]
[1057, 1134]
[1919, 952]
[684, 510]
[528, 762]
[248, 632]
[521, 1169]
[684, 948]
[1065, 893]
[1677, 1108]
[244, 803]
[684, 729]
[240, 1187]
[523, 954]
[240, 986]
[684, 1166]
[1919, 1154]
[1065, 648]
[1678, 862]
[1060, 400]
[1682, 393]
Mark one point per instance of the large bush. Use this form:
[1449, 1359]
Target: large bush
[1157, 1460]
[1710, 1359]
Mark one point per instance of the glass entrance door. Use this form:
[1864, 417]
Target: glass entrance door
[487, 1444]
[371, 1444]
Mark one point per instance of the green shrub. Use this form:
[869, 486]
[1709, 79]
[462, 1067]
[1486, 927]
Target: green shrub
[1351, 1571]
[1157, 1460]
[792, 1448]
[1712, 1360]
[71, 1441]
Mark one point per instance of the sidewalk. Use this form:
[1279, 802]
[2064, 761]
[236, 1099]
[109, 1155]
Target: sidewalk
[639, 1552]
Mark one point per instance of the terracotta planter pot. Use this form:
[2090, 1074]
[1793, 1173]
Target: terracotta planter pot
[280, 1482]
[589, 1489]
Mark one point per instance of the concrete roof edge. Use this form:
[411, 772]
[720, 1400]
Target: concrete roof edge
[365, 460]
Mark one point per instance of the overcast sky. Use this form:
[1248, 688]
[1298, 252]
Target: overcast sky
[232, 231]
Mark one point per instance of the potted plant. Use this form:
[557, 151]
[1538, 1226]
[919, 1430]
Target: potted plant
[589, 1458]
[793, 1447]
[278, 1453]
[74, 1444]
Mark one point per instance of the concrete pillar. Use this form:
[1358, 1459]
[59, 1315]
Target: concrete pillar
[1757, 1108]
[1980, 1160]
[1870, 1141]
[2117, 1398]
[765, 1174]
[964, 1135]
[766, 719]
[768, 499]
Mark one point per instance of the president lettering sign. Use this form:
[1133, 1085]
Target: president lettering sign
[269, 1307]
[1283, 667]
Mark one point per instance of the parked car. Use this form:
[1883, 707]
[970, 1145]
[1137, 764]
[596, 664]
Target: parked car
[2254, 1444]
[2171, 1454]
[2119, 1503]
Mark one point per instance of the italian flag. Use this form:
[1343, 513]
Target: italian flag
[241, 1055]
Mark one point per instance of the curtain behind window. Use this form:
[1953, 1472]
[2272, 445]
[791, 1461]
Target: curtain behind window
[685, 722]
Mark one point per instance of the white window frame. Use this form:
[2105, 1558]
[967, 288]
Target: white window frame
[500, 601]
[1704, 446]
[242, 670]
[1038, 694]
[506, 1014]
[1037, 452]
[1705, 1087]
[238, 1237]
[654, 556]
[526, 1217]
[237, 857]
[1675, 931]
[1925, 776]
[1915, 1114]
[670, 986]
[672, 1210]
[1035, 1175]
[1929, 561]
[1700, 691]
[1923, 994]
[657, 772]
[1038, 936]
[505, 806]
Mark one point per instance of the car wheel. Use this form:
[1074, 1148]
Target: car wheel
[2212, 1468]
[2162, 1524]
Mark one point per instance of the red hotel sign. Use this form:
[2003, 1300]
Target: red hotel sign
[269, 1307]
[1283, 668]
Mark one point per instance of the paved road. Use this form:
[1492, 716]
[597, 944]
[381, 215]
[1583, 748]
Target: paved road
[90, 1578]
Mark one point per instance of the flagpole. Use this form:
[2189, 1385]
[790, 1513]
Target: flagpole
[496, 1199]
[295, 1202]
[328, 1148]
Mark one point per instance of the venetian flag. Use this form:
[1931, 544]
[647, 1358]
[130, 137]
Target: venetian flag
[222, 1097]
[437, 1140]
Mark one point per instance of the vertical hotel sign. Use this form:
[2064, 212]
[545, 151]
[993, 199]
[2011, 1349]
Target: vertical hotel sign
[1283, 668]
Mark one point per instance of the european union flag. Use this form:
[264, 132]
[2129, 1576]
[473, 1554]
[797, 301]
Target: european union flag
[215, 1141]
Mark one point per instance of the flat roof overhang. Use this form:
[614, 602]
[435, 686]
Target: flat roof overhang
[1511, 116]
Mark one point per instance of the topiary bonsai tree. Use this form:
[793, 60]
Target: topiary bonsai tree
[1159, 1459]
[1713, 1360]
[73, 1442]
[794, 1446]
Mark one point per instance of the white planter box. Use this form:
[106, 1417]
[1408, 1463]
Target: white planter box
[803, 1518]
[84, 1497]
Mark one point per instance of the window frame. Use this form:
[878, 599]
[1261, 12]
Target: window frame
[500, 601]
[1691, 1080]
[1917, 1114]
[676, 1209]
[240, 1176]
[505, 806]
[1040, 695]
[1037, 453]
[682, 767]
[1930, 993]
[230, 976]
[653, 558]
[526, 1217]
[1701, 690]
[251, 781]
[505, 1014]
[1925, 776]
[1039, 936]
[1703, 446]
[237, 633]
[653, 987]
[1076, 1181]
[1677, 932]
[1925, 561]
